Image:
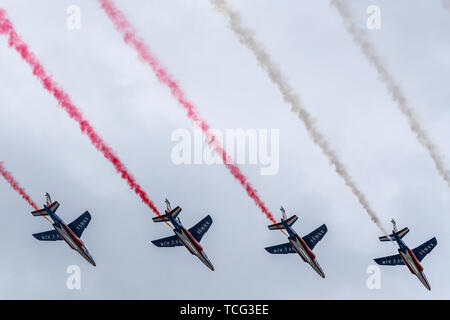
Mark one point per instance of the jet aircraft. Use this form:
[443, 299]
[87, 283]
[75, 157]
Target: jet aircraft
[411, 258]
[188, 238]
[302, 246]
[70, 233]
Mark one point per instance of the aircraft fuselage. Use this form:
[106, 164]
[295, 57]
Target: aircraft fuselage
[302, 249]
[414, 265]
[71, 238]
[410, 260]
[189, 241]
[192, 245]
[306, 254]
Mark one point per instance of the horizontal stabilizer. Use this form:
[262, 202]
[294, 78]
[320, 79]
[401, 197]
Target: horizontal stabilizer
[47, 210]
[280, 225]
[160, 218]
[175, 212]
[276, 226]
[390, 237]
[165, 217]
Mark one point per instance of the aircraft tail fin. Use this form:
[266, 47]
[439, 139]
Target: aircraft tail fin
[290, 221]
[165, 217]
[48, 199]
[390, 237]
[47, 210]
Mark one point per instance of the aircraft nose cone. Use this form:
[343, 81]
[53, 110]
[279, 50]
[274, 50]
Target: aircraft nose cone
[209, 264]
[205, 260]
[92, 262]
[89, 258]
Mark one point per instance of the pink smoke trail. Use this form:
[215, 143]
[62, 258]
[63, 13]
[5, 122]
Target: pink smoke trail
[15, 41]
[16, 186]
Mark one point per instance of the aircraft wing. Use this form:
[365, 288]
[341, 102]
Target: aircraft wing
[281, 249]
[201, 228]
[79, 224]
[314, 237]
[394, 260]
[172, 241]
[425, 248]
[51, 235]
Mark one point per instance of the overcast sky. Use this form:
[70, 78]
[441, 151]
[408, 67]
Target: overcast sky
[136, 115]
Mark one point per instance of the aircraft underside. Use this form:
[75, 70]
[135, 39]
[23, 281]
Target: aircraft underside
[415, 269]
[194, 248]
[66, 237]
[73, 244]
[307, 256]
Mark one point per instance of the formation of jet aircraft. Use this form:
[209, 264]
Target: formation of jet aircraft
[190, 238]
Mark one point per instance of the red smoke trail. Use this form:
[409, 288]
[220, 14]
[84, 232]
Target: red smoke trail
[129, 35]
[64, 101]
[15, 185]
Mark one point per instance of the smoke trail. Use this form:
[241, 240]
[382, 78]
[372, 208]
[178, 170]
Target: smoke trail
[129, 35]
[247, 38]
[16, 186]
[14, 40]
[360, 37]
[446, 4]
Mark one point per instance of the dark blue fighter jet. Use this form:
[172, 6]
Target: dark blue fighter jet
[302, 246]
[407, 256]
[70, 233]
[188, 238]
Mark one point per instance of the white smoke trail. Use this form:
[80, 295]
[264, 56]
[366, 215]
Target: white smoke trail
[360, 37]
[247, 38]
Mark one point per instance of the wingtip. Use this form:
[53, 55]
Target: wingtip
[155, 243]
